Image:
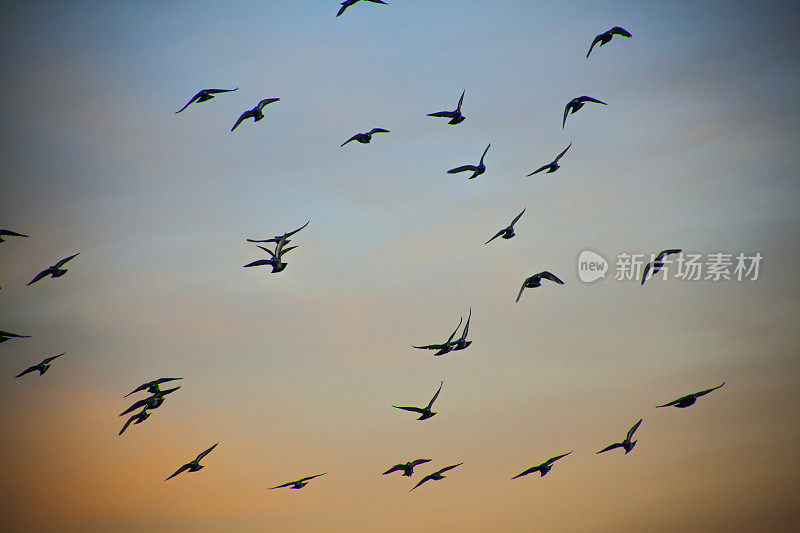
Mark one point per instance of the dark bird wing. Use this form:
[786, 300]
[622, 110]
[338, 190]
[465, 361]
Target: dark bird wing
[447, 114]
[65, 260]
[274, 239]
[421, 481]
[430, 403]
[662, 254]
[203, 454]
[673, 402]
[539, 170]
[450, 338]
[270, 252]
[377, 130]
[520, 290]
[39, 276]
[413, 409]
[27, 370]
[289, 484]
[559, 156]
[260, 262]
[585, 99]
[247, 114]
[496, 235]
[549, 275]
[484, 152]
[594, 42]
[194, 98]
[395, 468]
[135, 406]
[345, 5]
[298, 229]
[611, 447]
[311, 477]
[11, 233]
[566, 112]
[445, 469]
[378, 2]
[52, 358]
[418, 462]
[265, 102]
[556, 458]
[517, 218]
[461, 100]
[616, 30]
[353, 138]
[704, 392]
[137, 389]
[217, 91]
[178, 471]
[431, 347]
[466, 326]
[528, 471]
[633, 430]
[645, 271]
[471, 168]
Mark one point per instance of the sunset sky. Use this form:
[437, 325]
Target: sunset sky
[296, 373]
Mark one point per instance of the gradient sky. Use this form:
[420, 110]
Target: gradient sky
[295, 373]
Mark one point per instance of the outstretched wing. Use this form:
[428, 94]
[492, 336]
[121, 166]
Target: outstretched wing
[54, 357]
[260, 262]
[353, 138]
[178, 471]
[496, 235]
[484, 152]
[556, 458]
[461, 100]
[526, 472]
[471, 168]
[395, 468]
[559, 156]
[430, 403]
[140, 403]
[517, 218]
[40, 275]
[662, 254]
[270, 252]
[378, 2]
[466, 326]
[64, 261]
[539, 170]
[450, 338]
[549, 275]
[633, 430]
[418, 462]
[704, 392]
[594, 42]
[345, 5]
[413, 409]
[673, 402]
[194, 98]
[611, 447]
[311, 477]
[203, 454]
[243, 116]
[27, 370]
[265, 102]
[520, 291]
[447, 114]
[445, 469]
[585, 99]
[566, 112]
[431, 347]
[295, 231]
[645, 271]
[377, 130]
[421, 481]
[616, 30]
[217, 91]
[10, 233]
[137, 389]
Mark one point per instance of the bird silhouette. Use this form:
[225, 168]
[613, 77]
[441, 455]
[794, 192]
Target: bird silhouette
[7, 336]
[476, 170]
[551, 167]
[436, 476]
[543, 468]
[536, 280]
[508, 232]
[55, 271]
[425, 412]
[446, 346]
[41, 367]
[689, 399]
[194, 465]
[626, 444]
[657, 263]
[275, 257]
[365, 138]
[575, 104]
[204, 96]
[9, 233]
[138, 418]
[256, 113]
[407, 468]
[278, 237]
[606, 36]
[299, 484]
[462, 342]
[151, 386]
[151, 402]
[455, 116]
[348, 3]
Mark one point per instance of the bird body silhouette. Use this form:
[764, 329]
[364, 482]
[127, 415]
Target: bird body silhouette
[151, 402]
[138, 418]
[275, 257]
[508, 232]
[536, 281]
[193, 465]
[41, 367]
[575, 104]
[543, 468]
[256, 113]
[626, 444]
[277, 238]
[365, 138]
[435, 476]
[606, 36]
[657, 263]
[476, 170]
[551, 167]
[425, 412]
[204, 96]
[54, 271]
[689, 399]
[299, 484]
[455, 116]
[407, 468]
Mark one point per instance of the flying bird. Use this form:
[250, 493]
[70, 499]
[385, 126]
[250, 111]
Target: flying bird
[462, 342]
[278, 237]
[275, 257]
[436, 476]
[256, 113]
[407, 468]
[626, 444]
[606, 36]
[7, 336]
[543, 468]
[55, 271]
[151, 402]
[689, 399]
[536, 280]
[151, 386]
[476, 170]
[657, 263]
[425, 412]
[446, 346]
[194, 465]
[508, 232]
[138, 418]
[575, 104]
[41, 367]
[365, 138]
[348, 3]
[299, 484]
[455, 116]
[551, 167]
[9, 233]
[204, 96]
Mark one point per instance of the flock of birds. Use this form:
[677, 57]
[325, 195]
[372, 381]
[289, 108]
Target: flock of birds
[275, 260]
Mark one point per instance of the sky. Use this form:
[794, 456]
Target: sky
[296, 373]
